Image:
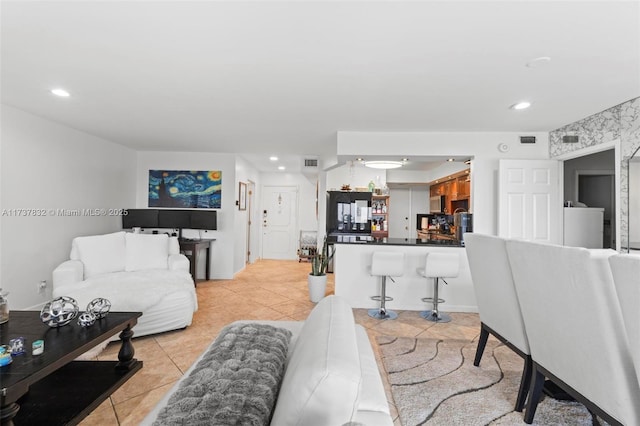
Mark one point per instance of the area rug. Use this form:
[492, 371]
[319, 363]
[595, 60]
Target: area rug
[434, 382]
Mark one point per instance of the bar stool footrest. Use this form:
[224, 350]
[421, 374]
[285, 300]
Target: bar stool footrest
[379, 298]
[430, 299]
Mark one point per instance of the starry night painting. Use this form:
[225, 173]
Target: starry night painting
[185, 189]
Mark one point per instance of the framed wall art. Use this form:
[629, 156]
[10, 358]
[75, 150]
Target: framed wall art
[185, 189]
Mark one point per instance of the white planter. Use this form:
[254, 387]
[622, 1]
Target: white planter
[317, 287]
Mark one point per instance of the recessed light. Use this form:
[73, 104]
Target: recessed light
[450, 160]
[273, 158]
[60, 92]
[281, 167]
[521, 105]
[537, 62]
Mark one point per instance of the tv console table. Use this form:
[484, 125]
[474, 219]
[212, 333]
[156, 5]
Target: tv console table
[52, 388]
[192, 246]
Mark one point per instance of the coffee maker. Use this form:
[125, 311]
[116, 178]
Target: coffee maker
[463, 222]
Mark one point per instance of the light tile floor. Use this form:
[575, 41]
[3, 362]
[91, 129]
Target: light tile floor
[269, 290]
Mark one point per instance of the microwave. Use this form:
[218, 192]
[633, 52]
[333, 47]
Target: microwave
[437, 204]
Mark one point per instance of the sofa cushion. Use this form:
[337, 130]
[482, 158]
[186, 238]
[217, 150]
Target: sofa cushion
[324, 367]
[174, 245]
[100, 254]
[146, 251]
[235, 382]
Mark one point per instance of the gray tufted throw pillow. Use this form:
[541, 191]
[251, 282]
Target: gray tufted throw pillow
[235, 383]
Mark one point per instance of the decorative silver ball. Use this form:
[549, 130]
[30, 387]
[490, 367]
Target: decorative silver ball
[86, 319]
[60, 311]
[99, 307]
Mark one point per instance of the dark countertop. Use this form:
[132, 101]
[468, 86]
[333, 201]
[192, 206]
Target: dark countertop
[354, 239]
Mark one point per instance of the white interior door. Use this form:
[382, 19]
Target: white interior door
[400, 214]
[279, 222]
[530, 205]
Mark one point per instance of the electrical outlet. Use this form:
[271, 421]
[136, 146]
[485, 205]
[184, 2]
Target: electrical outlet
[42, 286]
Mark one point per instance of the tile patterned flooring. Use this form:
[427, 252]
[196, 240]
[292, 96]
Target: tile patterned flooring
[269, 290]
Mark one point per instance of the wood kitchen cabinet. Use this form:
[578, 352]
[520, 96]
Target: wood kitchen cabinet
[463, 187]
[456, 189]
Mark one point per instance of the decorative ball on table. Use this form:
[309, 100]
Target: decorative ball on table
[59, 311]
[86, 319]
[99, 307]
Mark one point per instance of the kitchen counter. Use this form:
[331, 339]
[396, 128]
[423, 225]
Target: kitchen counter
[367, 240]
[354, 282]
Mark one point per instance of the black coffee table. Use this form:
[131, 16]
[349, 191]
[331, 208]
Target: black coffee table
[52, 388]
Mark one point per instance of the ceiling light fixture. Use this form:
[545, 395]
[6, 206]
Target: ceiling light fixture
[451, 160]
[281, 167]
[60, 92]
[273, 158]
[521, 105]
[386, 164]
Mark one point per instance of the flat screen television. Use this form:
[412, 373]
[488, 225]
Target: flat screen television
[174, 219]
[204, 220]
[140, 218]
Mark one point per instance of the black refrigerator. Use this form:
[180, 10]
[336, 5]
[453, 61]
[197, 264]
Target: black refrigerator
[348, 213]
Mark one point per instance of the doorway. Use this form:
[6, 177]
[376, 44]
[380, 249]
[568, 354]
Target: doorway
[590, 178]
[250, 222]
[279, 222]
[597, 189]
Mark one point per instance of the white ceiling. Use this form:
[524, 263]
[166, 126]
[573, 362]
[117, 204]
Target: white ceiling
[281, 78]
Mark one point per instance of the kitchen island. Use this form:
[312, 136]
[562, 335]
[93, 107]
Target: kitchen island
[354, 282]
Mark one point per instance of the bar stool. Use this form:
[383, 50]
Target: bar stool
[385, 264]
[438, 266]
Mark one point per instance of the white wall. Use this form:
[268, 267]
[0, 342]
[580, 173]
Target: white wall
[223, 249]
[436, 171]
[49, 166]
[355, 175]
[483, 147]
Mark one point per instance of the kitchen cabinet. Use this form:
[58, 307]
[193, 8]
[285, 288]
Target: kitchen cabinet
[456, 190]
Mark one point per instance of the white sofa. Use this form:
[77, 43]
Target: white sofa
[331, 377]
[135, 272]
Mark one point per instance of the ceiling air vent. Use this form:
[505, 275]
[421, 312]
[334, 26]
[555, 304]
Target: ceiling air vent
[310, 166]
[527, 139]
[570, 139]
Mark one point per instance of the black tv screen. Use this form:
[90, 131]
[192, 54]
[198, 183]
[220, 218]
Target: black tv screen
[173, 219]
[142, 218]
[204, 220]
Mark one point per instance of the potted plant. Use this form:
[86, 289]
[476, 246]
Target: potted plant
[317, 280]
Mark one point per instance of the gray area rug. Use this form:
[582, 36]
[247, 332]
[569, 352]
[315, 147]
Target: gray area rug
[434, 382]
